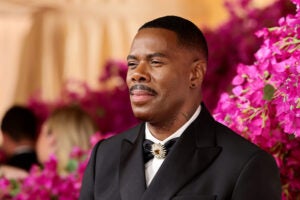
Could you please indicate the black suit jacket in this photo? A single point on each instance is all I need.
(23, 160)
(208, 162)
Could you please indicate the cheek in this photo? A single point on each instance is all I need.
(43, 149)
(128, 78)
(175, 83)
(1, 139)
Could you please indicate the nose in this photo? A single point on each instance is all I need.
(140, 73)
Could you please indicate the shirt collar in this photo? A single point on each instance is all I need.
(178, 133)
(23, 149)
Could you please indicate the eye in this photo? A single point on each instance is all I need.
(156, 63)
(131, 64)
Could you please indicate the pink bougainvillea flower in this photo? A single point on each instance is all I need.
(264, 105)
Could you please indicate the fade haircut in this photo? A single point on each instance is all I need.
(19, 123)
(188, 34)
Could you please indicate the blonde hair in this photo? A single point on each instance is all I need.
(71, 127)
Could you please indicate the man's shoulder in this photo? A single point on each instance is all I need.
(234, 143)
(238, 152)
(128, 134)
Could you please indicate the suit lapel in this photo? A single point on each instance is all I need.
(132, 173)
(191, 155)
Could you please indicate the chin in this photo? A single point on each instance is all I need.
(141, 114)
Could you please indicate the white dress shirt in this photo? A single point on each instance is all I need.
(152, 166)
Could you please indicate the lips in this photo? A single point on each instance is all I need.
(140, 94)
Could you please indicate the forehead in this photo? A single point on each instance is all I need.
(154, 40)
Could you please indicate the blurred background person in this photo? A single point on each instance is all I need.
(18, 132)
(67, 127)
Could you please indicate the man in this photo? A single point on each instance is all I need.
(166, 67)
(19, 127)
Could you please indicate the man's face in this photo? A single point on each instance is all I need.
(158, 77)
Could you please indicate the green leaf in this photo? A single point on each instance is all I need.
(72, 165)
(291, 136)
(269, 91)
(298, 103)
(15, 187)
(100, 112)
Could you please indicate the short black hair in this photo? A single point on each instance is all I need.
(187, 32)
(19, 122)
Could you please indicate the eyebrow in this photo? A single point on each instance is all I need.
(148, 56)
(131, 57)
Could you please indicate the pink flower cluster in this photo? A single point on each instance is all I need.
(46, 183)
(264, 105)
(234, 42)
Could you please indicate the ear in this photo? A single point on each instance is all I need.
(197, 73)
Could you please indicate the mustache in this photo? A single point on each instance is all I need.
(142, 87)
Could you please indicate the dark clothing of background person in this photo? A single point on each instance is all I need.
(23, 160)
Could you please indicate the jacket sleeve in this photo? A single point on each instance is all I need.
(259, 179)
(87, 185)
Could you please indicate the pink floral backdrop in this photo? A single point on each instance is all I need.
(252, 86)
(264, 105)
(234, 42)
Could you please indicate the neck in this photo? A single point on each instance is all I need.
(13, 147)
(163, 130)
